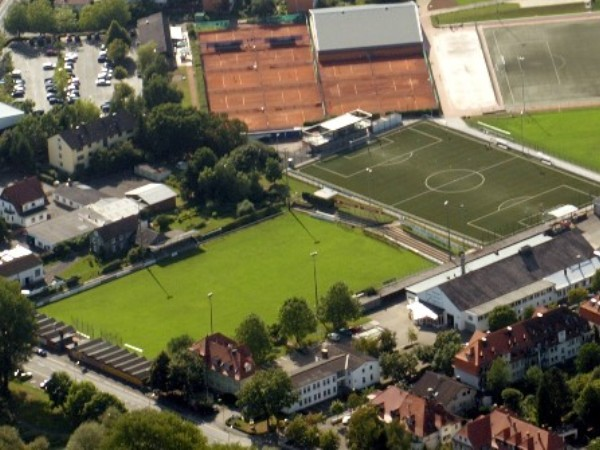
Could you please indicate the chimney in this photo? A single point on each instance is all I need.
(463, 260)
(324, 353)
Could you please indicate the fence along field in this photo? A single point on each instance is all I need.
(454, 180)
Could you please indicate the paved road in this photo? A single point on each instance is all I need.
(43, 368)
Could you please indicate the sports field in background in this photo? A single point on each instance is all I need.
(251, 271)
(546, 64)
(571, 135)
(488, 192)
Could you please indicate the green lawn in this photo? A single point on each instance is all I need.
(253, 270)
(86, 268)
(180, 81)
(571, 135)
(503, 11)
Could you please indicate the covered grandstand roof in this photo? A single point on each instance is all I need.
(363, 27)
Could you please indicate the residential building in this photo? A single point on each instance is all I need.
(114, 238)
(70, 150)
(23, 203)
(229, 364)
(427, 421)
(500, 429)
(155, 28)
(590, 311)
(536, 272)
(457, 398)
(154, 197)
(75, 196)
(549, 338)
(20, 264)
(339, 368)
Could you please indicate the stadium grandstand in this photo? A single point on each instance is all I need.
(347, 131)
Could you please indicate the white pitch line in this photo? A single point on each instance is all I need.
(552, 60)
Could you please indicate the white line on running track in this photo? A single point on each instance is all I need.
(552, 60)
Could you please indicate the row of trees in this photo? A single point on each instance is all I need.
(40, 16)
(297, 321)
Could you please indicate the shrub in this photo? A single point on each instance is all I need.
(244, 208)
(112, 266)
(120, 73)
(337, 407)
(163, 221)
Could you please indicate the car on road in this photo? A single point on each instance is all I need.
(49, 65)
(40, 352)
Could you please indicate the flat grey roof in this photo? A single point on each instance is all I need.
(369, 26)
(61, 228)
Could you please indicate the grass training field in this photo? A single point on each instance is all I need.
(545, 64)
(250, 271)
(571, 135)
(488, 192)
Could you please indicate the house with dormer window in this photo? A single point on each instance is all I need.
(23, 203)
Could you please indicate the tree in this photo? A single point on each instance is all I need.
(577, 295)
(99, 404)
(338, 306)
(17, 328)
(273, 170)
(387, 341)
(117, 51)
(528, 312)
(336, 407)
(58, 388)
(253, 332)
(146, 54)
(553, 398)
(296, 319)
(99, 15)
(412, 335)
(588, 357)
(266, 393)
(588, 403)
(595, 282)
(10, 439)
(501, 316)
(187, 376)
(87, 436)
(158, 90)
(365, 430)
(41, 17)
(65, 19)
(397, 437)
(4, 231)
(15, 20)
(117, 31)
(329, 440)
(301, 434)
(498, 376)
(447, 344)
(159, 374)
(263, 8)
(147, 428)
(367, 345)
(179, 344)
(202, 157)
(401, 367)
(533, 378)
(79, 395)
(512, 398)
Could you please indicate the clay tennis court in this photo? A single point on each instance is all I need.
(261, 75)
(378, 85)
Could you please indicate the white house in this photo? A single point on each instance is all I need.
(323, 379)
(20, 264)
(70, 150)
(23, 203)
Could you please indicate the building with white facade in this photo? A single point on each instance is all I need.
(70, 150)
(549, 338)
(23, 203)
(337, 369)
(535, 272)
(20, 264)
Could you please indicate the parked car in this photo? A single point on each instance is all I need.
(51, 52)
(40, 352)
(22, 375)
(105, 108)
(49, 66)
(18, 94)
(102, 82)
(44, 383)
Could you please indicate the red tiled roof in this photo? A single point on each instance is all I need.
(590, 311)
(224, 355)
(420, 416)
(518, 339)
(500, 427)
(22, 192)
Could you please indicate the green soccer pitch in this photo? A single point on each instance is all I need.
(454, 180)
(251, 271)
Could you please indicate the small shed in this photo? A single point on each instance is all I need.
(154, 197)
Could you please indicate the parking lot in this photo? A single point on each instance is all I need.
(30, 62)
